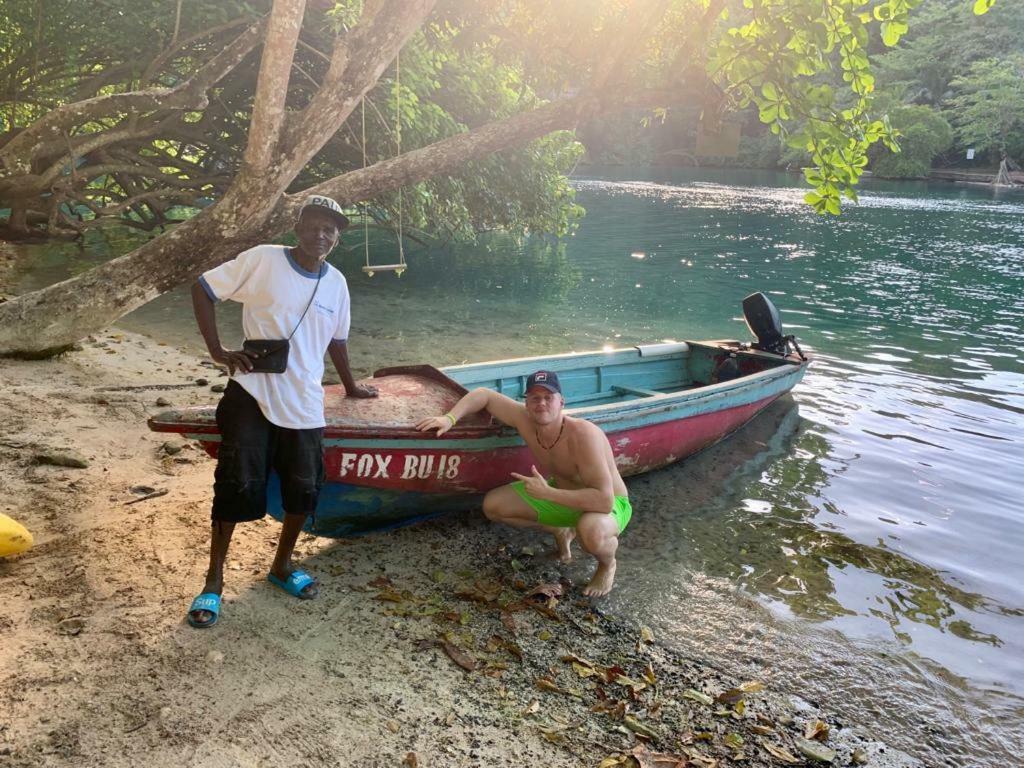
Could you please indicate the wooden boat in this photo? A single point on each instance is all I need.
(657, 403)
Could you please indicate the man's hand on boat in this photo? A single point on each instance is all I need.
(440, 423)
(360, 390)
(233, 359)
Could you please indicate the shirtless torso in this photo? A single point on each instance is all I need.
(580, 438)
(587, 498)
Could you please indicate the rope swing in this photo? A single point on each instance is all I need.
(400, 267)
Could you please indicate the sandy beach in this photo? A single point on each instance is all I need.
(423, 649)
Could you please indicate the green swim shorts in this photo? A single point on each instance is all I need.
(560, 516)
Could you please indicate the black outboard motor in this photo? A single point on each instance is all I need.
(763, 321)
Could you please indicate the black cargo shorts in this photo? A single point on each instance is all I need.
(250, 448)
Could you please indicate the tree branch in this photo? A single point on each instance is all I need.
(175, 46)
(268, 109)
(356, 64)
(17, 155)
(448, 154)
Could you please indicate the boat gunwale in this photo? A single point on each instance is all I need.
(599, 414)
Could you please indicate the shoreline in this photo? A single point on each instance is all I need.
(101, 668)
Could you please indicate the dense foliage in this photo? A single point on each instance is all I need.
(924, 135)
(952, 67)
(145, 117)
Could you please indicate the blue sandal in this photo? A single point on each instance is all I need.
(208, 601)
(294, 584)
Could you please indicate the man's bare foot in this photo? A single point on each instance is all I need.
(563, 544)
(601, 584)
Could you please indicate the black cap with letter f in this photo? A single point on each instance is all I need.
(546, 379)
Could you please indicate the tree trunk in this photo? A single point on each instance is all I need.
(48, 321)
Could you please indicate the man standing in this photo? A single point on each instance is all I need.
(296, 307)
(585, 497)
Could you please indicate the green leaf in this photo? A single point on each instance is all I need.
(892, 31)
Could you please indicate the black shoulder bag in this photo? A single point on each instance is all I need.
(271, 355)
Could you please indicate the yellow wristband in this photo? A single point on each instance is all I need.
(453, 420)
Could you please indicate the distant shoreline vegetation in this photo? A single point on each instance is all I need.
(953, 84)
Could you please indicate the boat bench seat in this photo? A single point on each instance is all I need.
(634, 391)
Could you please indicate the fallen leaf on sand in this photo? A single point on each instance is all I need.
(646, 635)
(411, 761)
(751, 686)
(639, 728)
(781, 754)
(393, 726)
(584, 671)
(389, 596)
(550, 589)
(510, 623)
(532, 708)
(459, 656)
(730, 696)
(573, 658)
(816, 730)
(698, 758)
(547, 684)
(381, 582)
(612, 672)
(815, 751)
(698, 696)
(648, 759)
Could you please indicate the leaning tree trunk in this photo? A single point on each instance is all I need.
(45, 322)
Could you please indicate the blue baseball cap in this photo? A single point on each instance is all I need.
(546, 379)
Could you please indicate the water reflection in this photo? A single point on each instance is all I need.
(750, 515)
(535, 270)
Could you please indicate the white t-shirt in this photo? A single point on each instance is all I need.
(274, 290)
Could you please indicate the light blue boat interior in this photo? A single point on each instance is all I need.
(601, 378)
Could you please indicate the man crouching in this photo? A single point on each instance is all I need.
(585, 496)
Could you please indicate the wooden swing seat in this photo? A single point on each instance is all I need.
(384, 268)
